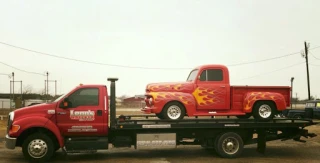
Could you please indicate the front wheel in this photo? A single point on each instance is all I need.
(38, 147)
(264, 110)
(173, 111)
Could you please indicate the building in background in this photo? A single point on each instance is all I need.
(136, 101)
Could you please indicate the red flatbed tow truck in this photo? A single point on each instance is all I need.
(79, 122)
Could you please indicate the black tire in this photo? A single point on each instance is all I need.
(267, 106)
(159, 116)
(247, 116)
(229, 145)
(39, 139)
(174, 107)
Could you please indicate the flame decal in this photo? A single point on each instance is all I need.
(254, 96)
(165, 96)
(208, 96)
(169, 87)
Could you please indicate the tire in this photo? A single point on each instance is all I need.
(264, 110)
(159, 116)
(229, 145)
(38, 140)
(247, 116)
(173, 111)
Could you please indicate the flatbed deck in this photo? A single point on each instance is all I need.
(127, 122)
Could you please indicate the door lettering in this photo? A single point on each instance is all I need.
(82, 115)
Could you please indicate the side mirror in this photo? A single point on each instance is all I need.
(65, 103)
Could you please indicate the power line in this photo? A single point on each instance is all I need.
(313, 64)
(79, 60)
(272, 71)
(138, 67)
(22, 70)
(263, 60)
(314, 56)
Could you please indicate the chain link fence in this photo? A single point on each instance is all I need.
(7, 104)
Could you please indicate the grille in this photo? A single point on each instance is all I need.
(9, 124)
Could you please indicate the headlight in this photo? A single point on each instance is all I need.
(11, 115)
(150, 100)
(10, 121)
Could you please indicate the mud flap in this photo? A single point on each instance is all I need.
(262, 141)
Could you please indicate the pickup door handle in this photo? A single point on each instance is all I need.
(99, 112)
(223, 86)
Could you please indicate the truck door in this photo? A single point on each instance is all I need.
(85, 114)
(212, 90)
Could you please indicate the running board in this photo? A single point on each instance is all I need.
(85, 144)
(218, 114)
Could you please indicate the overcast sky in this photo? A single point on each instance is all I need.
(158, 34)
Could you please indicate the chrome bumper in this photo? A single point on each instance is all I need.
(10, 142)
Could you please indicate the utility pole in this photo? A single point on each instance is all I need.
(12, 86)
(307, 64)
(46, 86)
(305, 55)
(297, 99)
(55, 87)
(47, 82)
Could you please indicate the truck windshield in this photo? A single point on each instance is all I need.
(62, 96)
(193, 75)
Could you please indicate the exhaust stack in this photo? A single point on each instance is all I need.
(112, 101)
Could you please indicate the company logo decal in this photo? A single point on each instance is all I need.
(82, 115)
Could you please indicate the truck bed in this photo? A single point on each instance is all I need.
(238, 93)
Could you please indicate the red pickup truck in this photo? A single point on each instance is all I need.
(207, 92)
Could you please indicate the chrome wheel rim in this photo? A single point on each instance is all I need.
(37, 148)
(230, 145)
(265, 111)
(174, 112)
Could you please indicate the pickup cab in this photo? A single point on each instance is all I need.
(314, 105)
(207, 92)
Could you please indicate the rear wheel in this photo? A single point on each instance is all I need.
(229, 145)
(264, 110)
(173, 111)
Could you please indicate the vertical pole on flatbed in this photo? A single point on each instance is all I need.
(292, 78)
(262, 142)
(112, 101)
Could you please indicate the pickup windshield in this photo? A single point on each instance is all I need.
(193, 75)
